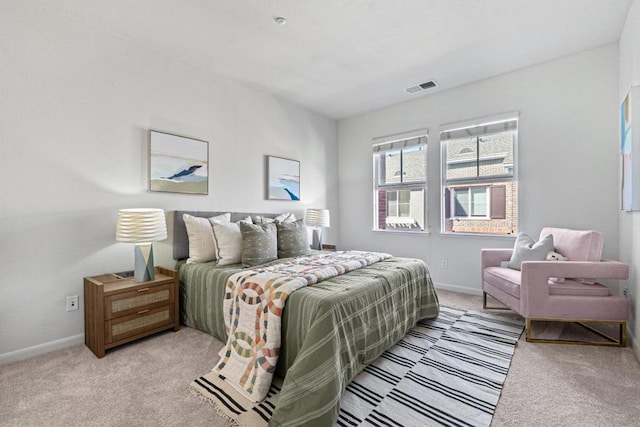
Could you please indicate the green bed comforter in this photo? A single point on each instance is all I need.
(330, 330)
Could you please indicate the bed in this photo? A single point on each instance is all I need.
(330, 331)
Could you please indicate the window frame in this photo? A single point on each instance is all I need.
(497, 185)
(393, 143)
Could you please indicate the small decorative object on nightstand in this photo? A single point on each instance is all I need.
(119, 310)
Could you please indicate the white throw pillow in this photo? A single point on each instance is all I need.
(200, 233)
(202, 246)
(228, 241)
(285, 217)
(527, 249)
(225, 217)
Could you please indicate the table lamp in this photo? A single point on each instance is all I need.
(142, 226)
(317, 218)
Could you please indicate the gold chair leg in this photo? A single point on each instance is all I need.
(621, 341)
(485, 306)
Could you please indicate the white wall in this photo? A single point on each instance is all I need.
(568, 157)
(76, 105)
(630, 221)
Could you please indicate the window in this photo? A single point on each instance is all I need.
(400, 179)
(480, 191)
(469, 202)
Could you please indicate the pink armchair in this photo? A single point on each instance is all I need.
(573, 297)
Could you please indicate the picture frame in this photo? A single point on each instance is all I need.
(178, 164)
(283, 179)
(630, 150)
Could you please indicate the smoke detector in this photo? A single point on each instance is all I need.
(422, 86)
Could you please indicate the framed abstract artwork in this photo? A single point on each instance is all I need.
(630, 150)
(178, 164)
(283, 179)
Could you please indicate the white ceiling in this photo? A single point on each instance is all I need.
(344, 57)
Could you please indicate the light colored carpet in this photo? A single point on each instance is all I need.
(146, 383)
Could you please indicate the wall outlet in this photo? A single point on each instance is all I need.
(444, 264)
(72, 303)
(625, 292)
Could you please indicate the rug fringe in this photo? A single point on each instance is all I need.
(204, 399)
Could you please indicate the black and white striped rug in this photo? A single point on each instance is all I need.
(446, 371)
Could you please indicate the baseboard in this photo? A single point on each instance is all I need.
(456, 288)
(36, 350)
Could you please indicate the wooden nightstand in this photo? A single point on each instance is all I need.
(119, 310)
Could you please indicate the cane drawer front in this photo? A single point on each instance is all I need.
(133, 302)
(137, 324)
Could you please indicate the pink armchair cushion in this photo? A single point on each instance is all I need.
(576, 245)
(506, 279)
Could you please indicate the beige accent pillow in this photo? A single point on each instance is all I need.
(200, 233)
(228, 241)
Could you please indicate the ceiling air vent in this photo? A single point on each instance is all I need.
(422, 86)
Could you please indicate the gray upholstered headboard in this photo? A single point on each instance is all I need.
(180, 238)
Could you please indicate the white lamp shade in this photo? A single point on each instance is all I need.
(317, 217)
(141, 225)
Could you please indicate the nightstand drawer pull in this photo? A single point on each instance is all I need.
(143, 290)
(143, 311)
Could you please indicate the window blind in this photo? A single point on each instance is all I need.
(480, 130)
(400, 144)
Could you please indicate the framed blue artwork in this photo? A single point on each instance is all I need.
(178, 164)
(630, 150)
(283, 179)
